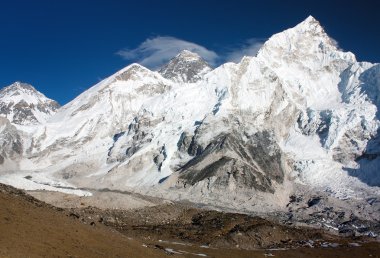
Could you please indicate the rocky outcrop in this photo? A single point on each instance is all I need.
(11, 146)
(236, 160)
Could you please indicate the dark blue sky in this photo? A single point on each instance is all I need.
(64, 47)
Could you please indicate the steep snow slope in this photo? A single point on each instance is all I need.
(24, 105)
(84, 128)
(337, 115)
(243, 135)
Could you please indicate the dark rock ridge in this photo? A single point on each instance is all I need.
(11, 146)
(233, 159)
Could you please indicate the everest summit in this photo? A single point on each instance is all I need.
(186, 67)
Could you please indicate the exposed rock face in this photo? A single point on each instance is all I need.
(186, 67)
(235, 161)
(24, 105)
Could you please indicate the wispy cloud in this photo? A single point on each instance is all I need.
(155, 52)
(336, 43)
(249, 48)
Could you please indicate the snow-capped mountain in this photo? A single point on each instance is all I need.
(301, 114)
(186, 67)
(22, 104)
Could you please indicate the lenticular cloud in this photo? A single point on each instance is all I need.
(155, 52)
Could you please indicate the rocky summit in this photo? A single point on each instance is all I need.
(293, 131)
(186, 67)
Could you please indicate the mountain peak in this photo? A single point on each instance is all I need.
(307, 42)
(19, 86)
(186, 67)
(22, 104)
(310, 24)
(311, 20)
(135, 72)
(188, 55)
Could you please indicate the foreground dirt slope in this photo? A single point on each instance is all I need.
(30, 228)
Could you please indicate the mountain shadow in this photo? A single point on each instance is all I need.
(369, 162)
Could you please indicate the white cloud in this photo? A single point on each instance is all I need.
(155, 52)
(249, 48)
(336, 43)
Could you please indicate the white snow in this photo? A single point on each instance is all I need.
(19, 181)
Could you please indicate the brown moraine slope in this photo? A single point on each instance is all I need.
(31, 228)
